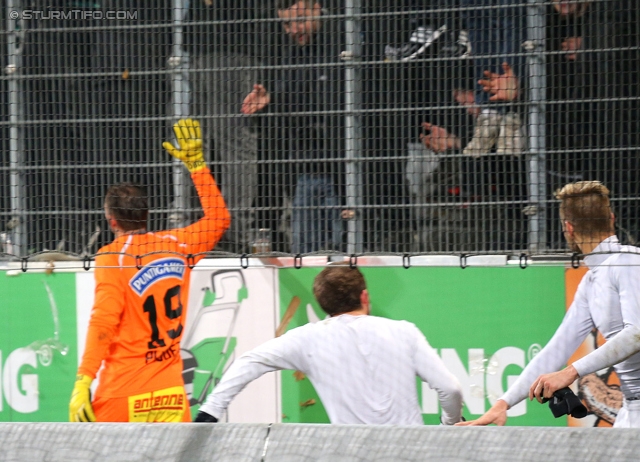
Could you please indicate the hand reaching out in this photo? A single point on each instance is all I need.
(496, 415)
(502, 87)
(256, 100)
(438, 139)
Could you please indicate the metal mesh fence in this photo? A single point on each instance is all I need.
(369, 132)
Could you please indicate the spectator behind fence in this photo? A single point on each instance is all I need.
(315, 137)
(497, 29)
(402, 87)
(223, 59)
(436, 175)
(569, 31)
(431, 85)
(592, 118)
(439, 127)
(614, 113)
(383, 137)
(463, 225)
(565, 71)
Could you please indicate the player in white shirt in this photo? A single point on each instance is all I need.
(608, 299)
(363, 367)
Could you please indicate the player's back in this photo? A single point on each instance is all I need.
(150, 271)
(363, 369)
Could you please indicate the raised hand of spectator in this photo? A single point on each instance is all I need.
(502, 87)
(438, 139)
(256, 100)
(466, 98)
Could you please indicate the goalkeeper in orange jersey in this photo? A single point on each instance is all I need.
(142, 285)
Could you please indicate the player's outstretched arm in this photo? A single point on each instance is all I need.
(496, 415)
(203, 235)
(285, 352)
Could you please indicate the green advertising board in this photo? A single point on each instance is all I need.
(38, 356)
(486, 323)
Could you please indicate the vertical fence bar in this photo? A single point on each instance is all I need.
(179, 63)
(536, 61)
(353, 126)
(16, 153)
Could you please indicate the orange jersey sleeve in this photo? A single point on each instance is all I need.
(203, 235)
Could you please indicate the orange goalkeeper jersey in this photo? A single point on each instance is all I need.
(142, 285)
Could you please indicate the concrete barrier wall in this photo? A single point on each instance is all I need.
(64, 442)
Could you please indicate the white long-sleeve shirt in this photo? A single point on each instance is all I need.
(364, 369)
(608, 298)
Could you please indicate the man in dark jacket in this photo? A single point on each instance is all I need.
(305, 90)
(414, 127)
(221, 37)
(592, 121)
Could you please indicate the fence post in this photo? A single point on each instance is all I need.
(353, 127)
(537, 169)
(16, 152)
(179, 63)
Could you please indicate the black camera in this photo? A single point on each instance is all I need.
(564, 401)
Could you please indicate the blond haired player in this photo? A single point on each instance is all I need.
(142, 283)
(363, 367)
(608, 298)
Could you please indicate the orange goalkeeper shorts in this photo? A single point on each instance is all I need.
(168, 405)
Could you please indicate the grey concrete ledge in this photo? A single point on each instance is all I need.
(53, 442)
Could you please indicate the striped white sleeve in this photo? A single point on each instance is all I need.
(626, 281)
(285, 352)
(575, 327)
(431, 369)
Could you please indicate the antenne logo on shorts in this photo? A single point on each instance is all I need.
(159, 269)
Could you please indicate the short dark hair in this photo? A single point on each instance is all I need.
(338, 287)
(286, 4)
(129, 206)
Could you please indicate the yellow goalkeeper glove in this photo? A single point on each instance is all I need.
(80, 409)
(190, 140)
